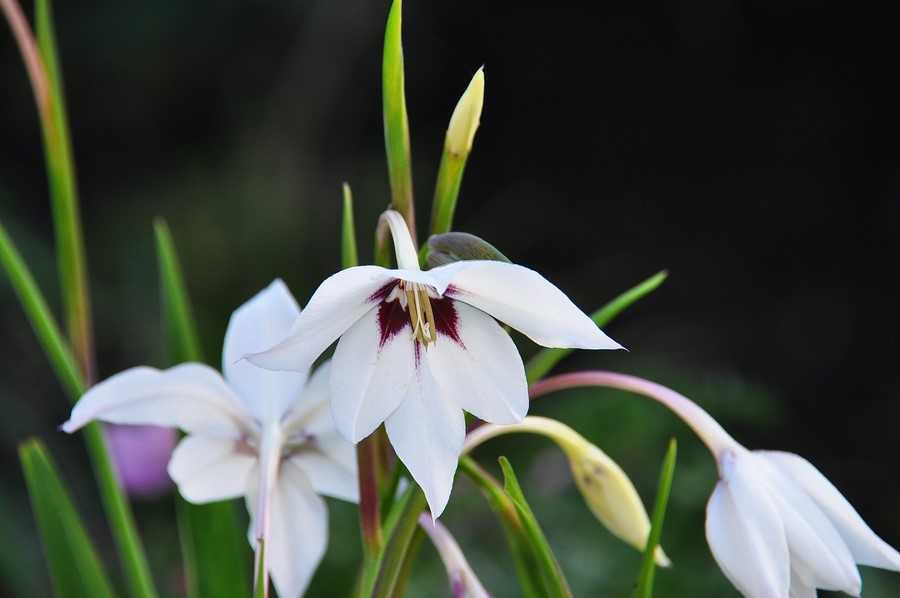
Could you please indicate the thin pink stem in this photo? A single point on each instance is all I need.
(708, 429)
(30, 55)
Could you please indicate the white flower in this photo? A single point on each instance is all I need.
(417, 348)
(778, 527)
(267, 436)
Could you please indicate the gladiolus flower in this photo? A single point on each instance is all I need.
(267, 436)
(417, 348)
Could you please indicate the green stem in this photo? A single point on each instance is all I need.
(369, 511)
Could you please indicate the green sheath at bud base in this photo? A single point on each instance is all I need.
(456, 247)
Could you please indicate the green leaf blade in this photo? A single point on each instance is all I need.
(75, 568)
(526, 564)
(645, 579)
(42, 321)
(215, 549)
(396, 122)
(71, 259)
(544, 361)
(181, 329)
(349, 253)
(551, 573)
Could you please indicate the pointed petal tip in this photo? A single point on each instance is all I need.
(661, 558)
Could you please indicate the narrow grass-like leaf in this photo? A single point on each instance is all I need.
(457, 145)
(530, 581)
(396, 123)
(73, 362)
(214, 546)
(178, 317)
(75, 568)
(41, 318)
(645, 579)
(64, 365)
(551, 573)
(349, 254)
(539, 365)
(64, 200)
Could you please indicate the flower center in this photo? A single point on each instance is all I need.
(421, 316)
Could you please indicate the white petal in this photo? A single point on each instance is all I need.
(368, 379)
(484, 375)
(310, 410)
(745, 532)
(255, 326)
(525, 300)
(427, 432)
(339, 301)
(190, 396)
(404, 248)
(866, 547)
(210, 469)
(299, 531)
(327, 458)
(819, 555)
(329, 476)
(799, 589)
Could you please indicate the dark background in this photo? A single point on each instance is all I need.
(750, 148)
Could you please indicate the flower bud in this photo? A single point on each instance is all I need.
(454, 247)
(466, 117)
(463, 581)
(610, 495)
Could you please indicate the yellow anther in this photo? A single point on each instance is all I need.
(421, 316)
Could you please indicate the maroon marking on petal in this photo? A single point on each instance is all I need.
(446, 320)
(392, 319)
(454, 291)
(382, 293)
(417, 352)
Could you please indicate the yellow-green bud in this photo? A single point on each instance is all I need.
(466, 117)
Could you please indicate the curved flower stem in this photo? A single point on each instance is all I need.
(706, 428)
(30, 54)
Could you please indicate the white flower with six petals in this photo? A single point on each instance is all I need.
(418, 347)
(267, 436)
